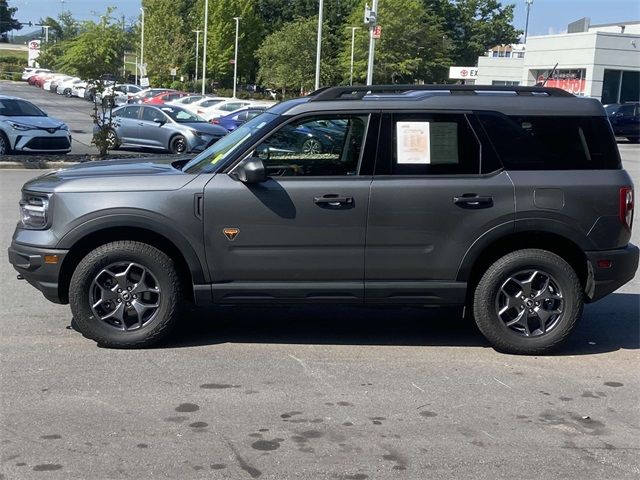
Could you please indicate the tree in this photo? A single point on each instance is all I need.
(288, 57)
(473, 26)
(64, 27)
(7, 22)
(411, 46)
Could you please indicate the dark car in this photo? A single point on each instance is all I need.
(508, 202)
(239, 117)
(165, 127)
(625, 120)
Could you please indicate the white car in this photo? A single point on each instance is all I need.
(31, 71)
(77, 89)
(66, 88)
(55, 79)
(119, 94)
(222, 108)
(184, 101)
(207, 101)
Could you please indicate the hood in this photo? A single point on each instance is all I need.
(42, 122)
(142, 174)
(206, 127)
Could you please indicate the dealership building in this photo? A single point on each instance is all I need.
(599, 61)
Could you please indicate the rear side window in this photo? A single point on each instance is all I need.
(552, 143)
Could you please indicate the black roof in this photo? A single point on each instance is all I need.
(510, 100)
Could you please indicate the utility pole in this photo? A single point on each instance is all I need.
(204, 41)
(319, 45)
(197, 32)
(46, 33)
(371, 20)
(235, 59)
(142, 39)
(526, 25)
(353, 37)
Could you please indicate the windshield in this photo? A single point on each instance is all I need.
(611, 109)
(181, 115)
(223, 148)
(19, 108)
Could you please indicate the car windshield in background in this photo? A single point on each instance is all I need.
(181, 115)
(219, 151)
(19, 108)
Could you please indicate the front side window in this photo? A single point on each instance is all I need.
(128, 112)
(433, 144)
(315, 146)
(150, 114)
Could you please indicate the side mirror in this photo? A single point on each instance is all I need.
(159, 121)
(250, 170)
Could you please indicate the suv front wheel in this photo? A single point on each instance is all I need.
(125, 294)
(528, 302)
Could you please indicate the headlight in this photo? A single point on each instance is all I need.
(197, 133)
(34, 211)
(19, 126)
(64, 126)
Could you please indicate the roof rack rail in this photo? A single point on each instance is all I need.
(359, 91)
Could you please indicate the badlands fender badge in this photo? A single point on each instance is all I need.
(231, 233)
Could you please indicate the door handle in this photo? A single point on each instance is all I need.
(472, 200)
(333, 200)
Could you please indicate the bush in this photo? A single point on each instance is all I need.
(16, 77)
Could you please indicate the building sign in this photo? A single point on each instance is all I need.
(572, 81)
(34, 52)
(377, 31)
(463, 73)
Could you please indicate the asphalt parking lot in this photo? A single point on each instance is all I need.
(314, 393)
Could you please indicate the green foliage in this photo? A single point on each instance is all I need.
(7, 20)
(474, 26)
(65, 27)
(288, 57)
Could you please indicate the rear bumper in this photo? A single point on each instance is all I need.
(30, 263)
(603, 281)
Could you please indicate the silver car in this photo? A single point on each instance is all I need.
(165, 127)
(26, 128)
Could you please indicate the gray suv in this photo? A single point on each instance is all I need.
(508, 201)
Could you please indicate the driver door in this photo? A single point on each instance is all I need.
(300, 235)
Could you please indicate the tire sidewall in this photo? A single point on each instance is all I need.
(495, 329)
(79, 295)
(174, 143)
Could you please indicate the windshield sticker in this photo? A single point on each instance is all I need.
(413, 143)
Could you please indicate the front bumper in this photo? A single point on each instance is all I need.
(30, 263)
(605, 280)
(58, 142)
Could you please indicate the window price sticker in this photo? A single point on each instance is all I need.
(413, 143)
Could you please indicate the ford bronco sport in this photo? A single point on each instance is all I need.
(511, 201)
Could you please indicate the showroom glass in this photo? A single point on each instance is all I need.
(434, 144)
(315, 146)
(552, 143)
(19, 108)
(215, 155)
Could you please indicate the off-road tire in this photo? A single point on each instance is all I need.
(155, 261)
(493, 327)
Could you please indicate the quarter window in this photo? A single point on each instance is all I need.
(317, 146)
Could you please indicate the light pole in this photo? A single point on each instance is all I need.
(526, 25)
(372, 41)
(319, 46)
(204, 46)
(197, 32)
(142, 41)
(353, 37)
(46, 33)
(235, 58)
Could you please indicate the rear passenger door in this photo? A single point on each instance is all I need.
(435, 192)
(126, 123)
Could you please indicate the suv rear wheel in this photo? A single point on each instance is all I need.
(528, 302)
(125, 294)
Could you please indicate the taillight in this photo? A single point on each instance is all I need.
(626, 207)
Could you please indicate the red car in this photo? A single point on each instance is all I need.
(38, 80)
(165, 97)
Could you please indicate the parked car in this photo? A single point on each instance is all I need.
(239, 117)
(66, 87)
(509, 201)
(165, 127)
(29, 72)
(142, 95)
(78, 89)
(164, 97)
(41, 78)
(119, 94)
(26, 128)
(184, 101)
(221, 108)
(51, 83)
(625, 120)
(203, 103)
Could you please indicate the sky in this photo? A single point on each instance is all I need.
(546, 17)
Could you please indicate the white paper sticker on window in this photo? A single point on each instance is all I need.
(413, 143)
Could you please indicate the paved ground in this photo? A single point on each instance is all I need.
(314, 393)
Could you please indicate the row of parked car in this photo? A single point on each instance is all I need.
(157, 118)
